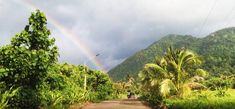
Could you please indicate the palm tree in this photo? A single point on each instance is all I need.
(171, 71)
(130, 79)
(178, 61)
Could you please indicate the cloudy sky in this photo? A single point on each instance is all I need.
(116, 29)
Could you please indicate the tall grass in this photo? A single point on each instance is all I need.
(204, 100)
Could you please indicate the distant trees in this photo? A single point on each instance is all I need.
(64, 86)
(216, 50)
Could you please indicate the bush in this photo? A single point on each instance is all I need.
(25, 98)
(59, 90)
(5, 96)
(100, 86)
(203, 100)
(64, 86)
(153, 100)
(103, 92)
(216, 82)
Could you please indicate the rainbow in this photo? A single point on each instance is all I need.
(67, 33)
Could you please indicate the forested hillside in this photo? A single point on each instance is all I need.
(217, 50)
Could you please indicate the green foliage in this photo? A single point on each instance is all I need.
(218, 82)
(64, 86)
(27, 59)
(166, 86)
(168, 76)
(216, 50)
(25, 98)
(203, 100)
(221, 92)
(5, 96)
(59, 90)
(170, 72)
(151, 96)
(136, 62)
(31, 52)
(99, 86)
(33, 78)
(120, 88)
(202, 73)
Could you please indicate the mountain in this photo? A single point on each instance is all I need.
(217, 51)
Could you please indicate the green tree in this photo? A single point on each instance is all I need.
(99, 85)
(169, 72)
(130, 79)
(29, 56)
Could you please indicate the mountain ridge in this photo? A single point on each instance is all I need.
(222, 40)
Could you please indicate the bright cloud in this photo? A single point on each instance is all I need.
(118, 28)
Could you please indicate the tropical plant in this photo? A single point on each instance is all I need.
(119, 89)
(5, 96)
(99, 86)
(30, 54)
(206, 99)
(27, 59)
(33, 78)
(215, 83)
(59, 90)
(170, 73)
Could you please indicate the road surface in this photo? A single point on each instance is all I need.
(118, 104)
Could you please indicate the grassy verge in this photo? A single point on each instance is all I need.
(204, 100)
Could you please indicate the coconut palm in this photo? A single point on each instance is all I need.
(130, 79)
(169, 72)
(178, 62)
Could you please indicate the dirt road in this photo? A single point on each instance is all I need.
(118, 104)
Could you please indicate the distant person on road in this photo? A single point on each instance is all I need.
(132, 95)
(128, 94)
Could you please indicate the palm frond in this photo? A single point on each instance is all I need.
(201, 73)
(196, 85)
(156, 70)
(166, 87)
(184, 91)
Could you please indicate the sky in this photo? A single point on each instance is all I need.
(115, 29)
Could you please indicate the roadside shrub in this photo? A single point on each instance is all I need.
(58, 90)
(216, 82)
(6, 95)
(152, 99)
(100, 86)
(104, 92)
(204, 100)
(25, 98)
(233, 84)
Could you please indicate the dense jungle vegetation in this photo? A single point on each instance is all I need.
(176, 81)
(185, 72)
(31, 77)
(216, 50)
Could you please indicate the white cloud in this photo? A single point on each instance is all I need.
(118, 28)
